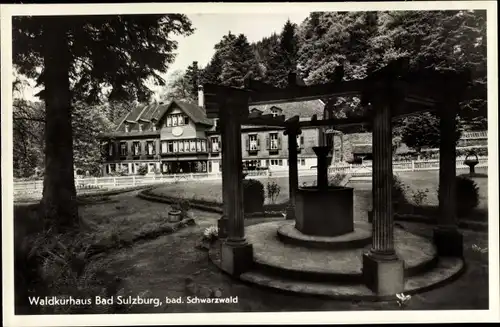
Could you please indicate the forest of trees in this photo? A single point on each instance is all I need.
(80, 58)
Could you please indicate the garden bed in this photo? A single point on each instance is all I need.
(270, 210)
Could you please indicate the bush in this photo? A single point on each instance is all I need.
(467, 196)
(399, 190)
(253, 196)
(183, 206)
(273, 190)
(142, 170)
(336, 179)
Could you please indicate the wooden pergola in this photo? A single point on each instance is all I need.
(390, 92)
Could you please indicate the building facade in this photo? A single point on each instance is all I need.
(179, 138)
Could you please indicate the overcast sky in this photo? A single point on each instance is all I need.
(209, 29)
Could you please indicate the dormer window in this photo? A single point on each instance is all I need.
(127, 128)
(275, 114)
(153, 127)
(140, 127)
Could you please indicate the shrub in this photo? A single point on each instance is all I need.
(253, 195)
(211, 234)
(183, 206)
(336, 179)
(467, 196)
(399, 190)
(273, 190)
(419, 196)
(142, 170)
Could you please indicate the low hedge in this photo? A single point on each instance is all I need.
(270, 210)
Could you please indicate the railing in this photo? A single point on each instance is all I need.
(475, 135)
(89, 184)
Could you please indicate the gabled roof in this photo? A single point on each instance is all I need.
(155, 111)
(304, 109)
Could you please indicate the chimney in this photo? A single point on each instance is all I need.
(201, 97)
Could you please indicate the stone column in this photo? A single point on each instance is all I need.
(236, 252)
(447, 237)
(322, 154)
(293, 173)
(382, 270)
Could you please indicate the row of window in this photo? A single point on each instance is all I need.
(176, 120)
(177, 146)
(270, 162)
(171, 120)
(273, 142)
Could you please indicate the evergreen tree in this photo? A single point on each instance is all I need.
(79, 55)
(283, 57)
(192, 80)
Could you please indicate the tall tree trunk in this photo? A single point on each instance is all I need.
(59, 193)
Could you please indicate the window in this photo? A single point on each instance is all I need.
(203, 145)
(136, 148)
(170, 146)
(151, 150)
(153, 127)
(174, 120)
(215, 144)
(127, 128)
(274, 141)
(186, 120)
(123, 148)
(164, 147)
(110, 148)
(254, 144)
(169, 121)
(186, 146)
(198, 145)
(302, 162)
(181, 146)
(192, 146)
(140, 127)
(281, 162)
(176, 146)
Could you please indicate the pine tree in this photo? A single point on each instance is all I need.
(79, 56)
(283, 57)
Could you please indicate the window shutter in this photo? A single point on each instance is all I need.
(209, 144)
(301, 141)
(279, 142)
(268, 143)
(258, 142)
(247, 141)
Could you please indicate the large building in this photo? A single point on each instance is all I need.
(177, 137)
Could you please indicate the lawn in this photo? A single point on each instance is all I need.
(212, 190)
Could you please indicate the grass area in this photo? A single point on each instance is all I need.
(420, 180)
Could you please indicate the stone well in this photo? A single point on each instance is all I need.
(324, 212)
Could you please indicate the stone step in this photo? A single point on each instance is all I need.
(446, 271)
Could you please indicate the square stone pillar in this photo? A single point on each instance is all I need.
(447, 237)
(383, 271)
(293, 174)
(236, 252)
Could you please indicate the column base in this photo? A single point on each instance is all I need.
(290, 212)
(449, 242)
(384, 276)
(236, 258)
(222, 227)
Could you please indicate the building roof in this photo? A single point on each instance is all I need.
(305, 110)
(155, 111)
